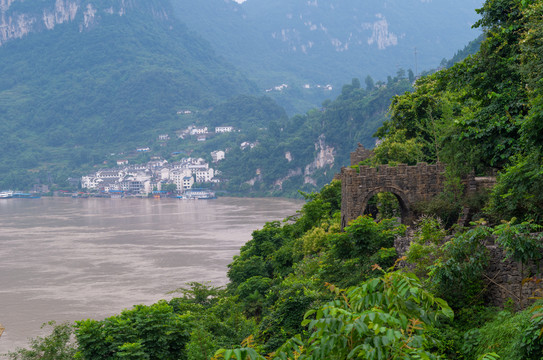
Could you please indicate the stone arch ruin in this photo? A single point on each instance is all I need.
(399, 194)
(410, 185)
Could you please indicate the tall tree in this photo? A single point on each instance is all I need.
(369, 83)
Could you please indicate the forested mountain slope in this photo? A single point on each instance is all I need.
(82, 80)
(305, 151)
(79, 78)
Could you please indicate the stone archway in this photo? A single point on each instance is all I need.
(400, 196)
(410, 184)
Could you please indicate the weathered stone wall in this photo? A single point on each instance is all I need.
(410, 184)
(360, 154)
(503, 277)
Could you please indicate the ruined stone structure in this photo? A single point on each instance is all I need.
(504, 279)
(410, 184)
(360, 154)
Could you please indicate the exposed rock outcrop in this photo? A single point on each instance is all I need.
(325, 158)
(19, 21)
(291, 173)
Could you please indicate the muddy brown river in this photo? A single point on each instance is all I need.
(69, 259)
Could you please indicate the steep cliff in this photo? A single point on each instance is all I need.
(19, 18)
(323, 160)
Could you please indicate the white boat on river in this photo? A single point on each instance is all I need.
(6, 194)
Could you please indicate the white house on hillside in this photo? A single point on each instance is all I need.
(188, 181)
(247, 144)
(204, 175)
(178, 178)
(223, 129)
(198, 131)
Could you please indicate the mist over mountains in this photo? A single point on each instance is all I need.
(81, 79)
(318, 42)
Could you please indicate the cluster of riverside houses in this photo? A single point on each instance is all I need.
(146, 178)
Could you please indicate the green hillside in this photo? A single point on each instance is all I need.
(309, 288)
(69, 96)
(72, 96)
(282, 155)
(335, 129)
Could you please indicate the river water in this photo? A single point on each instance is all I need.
(69, 259)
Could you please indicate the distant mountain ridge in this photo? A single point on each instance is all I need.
(304, 43)
(83, 81)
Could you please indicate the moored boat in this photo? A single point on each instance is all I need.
(6, 194)
(22, 195)
(198, 194)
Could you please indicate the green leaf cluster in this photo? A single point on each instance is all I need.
(483, 114)
(58, 345)
(144, 332)
(383, 318)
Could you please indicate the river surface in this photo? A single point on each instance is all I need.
(69, 259)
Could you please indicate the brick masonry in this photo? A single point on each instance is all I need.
(410, 185)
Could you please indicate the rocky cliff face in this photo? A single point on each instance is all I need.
(316, 46)
(18, 18)
(306, 30)
(324, 158)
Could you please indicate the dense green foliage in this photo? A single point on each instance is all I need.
(383, 318)
(481, 115)
(77, 96)
(468, 50)
(306, 289)
(152, 332)
(246, 112)
(56, 346)
(338, 126)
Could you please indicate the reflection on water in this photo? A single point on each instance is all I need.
(67, 259)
